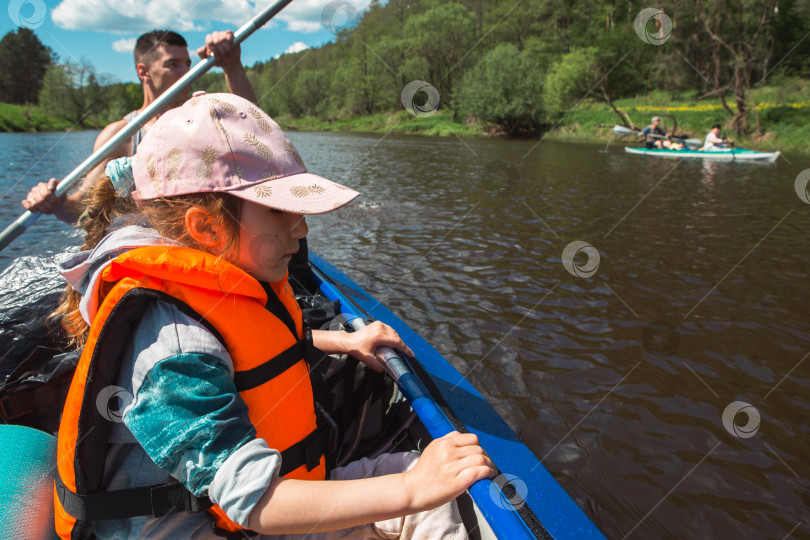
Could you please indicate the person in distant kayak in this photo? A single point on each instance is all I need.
(714, 141)
(661, 139)
(161, 59)
(190, 322)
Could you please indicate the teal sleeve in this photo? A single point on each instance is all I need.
(189, 418)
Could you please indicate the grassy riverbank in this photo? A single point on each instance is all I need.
(785, 120)
(441, 123)
(29, 118)
(784, 113)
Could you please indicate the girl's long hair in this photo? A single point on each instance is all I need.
(166, 216)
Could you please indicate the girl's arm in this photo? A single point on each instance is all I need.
(447, 467)
(361, 344)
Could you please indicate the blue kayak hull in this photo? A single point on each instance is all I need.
(537, 507)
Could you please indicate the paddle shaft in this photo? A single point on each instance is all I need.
(621, 130)
(19, 226)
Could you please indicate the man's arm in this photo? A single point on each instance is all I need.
(229, 58)
(68, 208)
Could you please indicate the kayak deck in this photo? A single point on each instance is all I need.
(735, 154)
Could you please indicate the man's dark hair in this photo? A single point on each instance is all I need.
(716, 126)
(146, 48)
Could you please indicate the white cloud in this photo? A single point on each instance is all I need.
(125, 45)
(305, 27)
(298, 46)
(131, 16)
(306, 16)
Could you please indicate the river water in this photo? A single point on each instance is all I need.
(683, 302)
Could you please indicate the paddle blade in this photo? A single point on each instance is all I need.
(621, 130)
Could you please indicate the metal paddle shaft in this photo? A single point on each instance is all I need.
(621, 130)
(27, 218)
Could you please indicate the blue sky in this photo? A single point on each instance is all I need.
(104, 31)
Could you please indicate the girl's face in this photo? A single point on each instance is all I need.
(267, 240)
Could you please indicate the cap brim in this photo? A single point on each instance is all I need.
(302, 193)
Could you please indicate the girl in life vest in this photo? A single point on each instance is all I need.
(191, 414)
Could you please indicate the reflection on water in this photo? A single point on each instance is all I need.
(618, 381)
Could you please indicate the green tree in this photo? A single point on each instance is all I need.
(504, 88)
(311, 88)
(23, 63)
(124, 98)
(615, 67)
(569, 80)
(444, 36)
(744, 46)
(72, 91)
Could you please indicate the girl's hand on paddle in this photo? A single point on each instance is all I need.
(42, 199)
(363, 344)
(448, 466)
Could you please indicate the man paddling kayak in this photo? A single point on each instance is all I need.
(714, 141)
(161, 59)
(655, 136)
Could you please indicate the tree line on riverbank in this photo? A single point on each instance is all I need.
(518, 68)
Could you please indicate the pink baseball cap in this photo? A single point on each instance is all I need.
(224, 143)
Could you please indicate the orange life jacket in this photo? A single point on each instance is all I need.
(270, 374)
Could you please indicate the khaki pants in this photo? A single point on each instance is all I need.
(439, 523)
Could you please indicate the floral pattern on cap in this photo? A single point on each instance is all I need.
(207, 159)
(264, 125)
(303, 191)
(173, 175)
(260, 147)
(263, 190)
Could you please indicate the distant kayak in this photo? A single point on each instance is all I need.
(732, 154)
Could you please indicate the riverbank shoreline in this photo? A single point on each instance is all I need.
(786, 126)
(785, 122)
(33, 119)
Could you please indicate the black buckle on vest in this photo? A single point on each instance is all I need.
(169, 498)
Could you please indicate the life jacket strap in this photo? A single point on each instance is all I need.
(270, 369)
(155, 500)
(307, 451)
